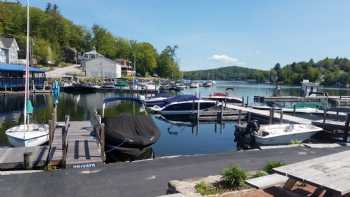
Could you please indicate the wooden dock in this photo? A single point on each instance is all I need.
(270, 115)
(73, 144)
(76, 147)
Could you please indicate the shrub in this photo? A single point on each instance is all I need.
(205, 189)
(234, 177)
(272, 164)
(296, 142)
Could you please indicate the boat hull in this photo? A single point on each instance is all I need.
(28, 136)
(284, 139)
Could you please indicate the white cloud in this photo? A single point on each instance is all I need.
(225, 59)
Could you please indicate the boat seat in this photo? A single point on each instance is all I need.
(267, 181)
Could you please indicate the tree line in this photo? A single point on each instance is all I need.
(56, 40)
(329, 72)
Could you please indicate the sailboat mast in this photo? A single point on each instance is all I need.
(26, 88)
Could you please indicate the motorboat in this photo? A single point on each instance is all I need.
(162, 100)
(208, 84)
(129, 130)
(184, 107)
(222, 97)
(194, 85)
(284, 133)
(28, 135)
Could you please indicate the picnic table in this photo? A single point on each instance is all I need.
(330, 173)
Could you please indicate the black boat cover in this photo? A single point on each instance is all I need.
(128, 130)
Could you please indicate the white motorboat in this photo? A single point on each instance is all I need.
(284, 133)
(184, 107)
(223, 97)
(28, 135)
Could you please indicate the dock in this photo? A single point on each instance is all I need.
(269, 115)
(73, 144)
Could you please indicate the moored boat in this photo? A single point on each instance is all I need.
(28, 135)
(277, 134)
(184, 107)
(223, 97)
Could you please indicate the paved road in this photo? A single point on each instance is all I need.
(144, 178)
(63, 71)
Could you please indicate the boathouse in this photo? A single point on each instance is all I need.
(12, 77)
(102, 67)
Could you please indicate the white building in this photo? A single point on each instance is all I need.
(102, 67)
(8, 50)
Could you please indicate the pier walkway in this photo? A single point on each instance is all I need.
(266, 114)
(78, 149)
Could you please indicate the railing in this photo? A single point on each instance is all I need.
(99, 129)
(65, 140)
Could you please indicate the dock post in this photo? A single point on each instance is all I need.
(249, 116)
(239, 117)
(324, 117)
(346, 132)
(294, 109)
(103, 141)
(27, 158)
(242, 101)
(281, 116)
(272, 114)
(247, 101)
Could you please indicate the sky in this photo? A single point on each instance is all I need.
(216, 33)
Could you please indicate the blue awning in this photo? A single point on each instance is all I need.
(18, 68)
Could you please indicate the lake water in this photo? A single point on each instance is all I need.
(175, 139)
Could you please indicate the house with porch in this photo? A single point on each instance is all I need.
(127, 69)
(8, 50)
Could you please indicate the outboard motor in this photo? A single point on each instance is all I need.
(245, 137)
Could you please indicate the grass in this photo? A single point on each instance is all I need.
(296, 142)
(272, 164)
(259, 173)
(206, 189)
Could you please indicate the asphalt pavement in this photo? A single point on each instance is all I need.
(144, 178)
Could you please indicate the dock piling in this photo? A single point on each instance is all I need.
(346, 132)
(272, 114)
(27, 158)
(239, 117)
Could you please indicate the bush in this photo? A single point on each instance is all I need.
(205, 189)
(234, 177)
(272, 164)
(259, 174)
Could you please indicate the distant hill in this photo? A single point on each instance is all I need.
(228, 73)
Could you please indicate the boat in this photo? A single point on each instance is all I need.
(129, 131)
(184, 107)
(122, 84)
(28, 134)
(277, 134)
(163, 100)
(218, 96)
(208, 84)
(194, 85)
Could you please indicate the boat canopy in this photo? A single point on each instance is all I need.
(122, 98)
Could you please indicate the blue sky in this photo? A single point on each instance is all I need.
(250, 33)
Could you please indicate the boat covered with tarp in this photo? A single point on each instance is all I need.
(131, 131)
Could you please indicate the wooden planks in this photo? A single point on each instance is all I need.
(331, 172)
(83, 149)
(12, 158)
(266, 114)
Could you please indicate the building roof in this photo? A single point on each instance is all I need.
(18, 68)
(6, 42)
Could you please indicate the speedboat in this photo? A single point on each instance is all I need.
(284, 133)
(194, 85)
(28, 135)
(208, 84)
(184, 107)
(218, 96)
